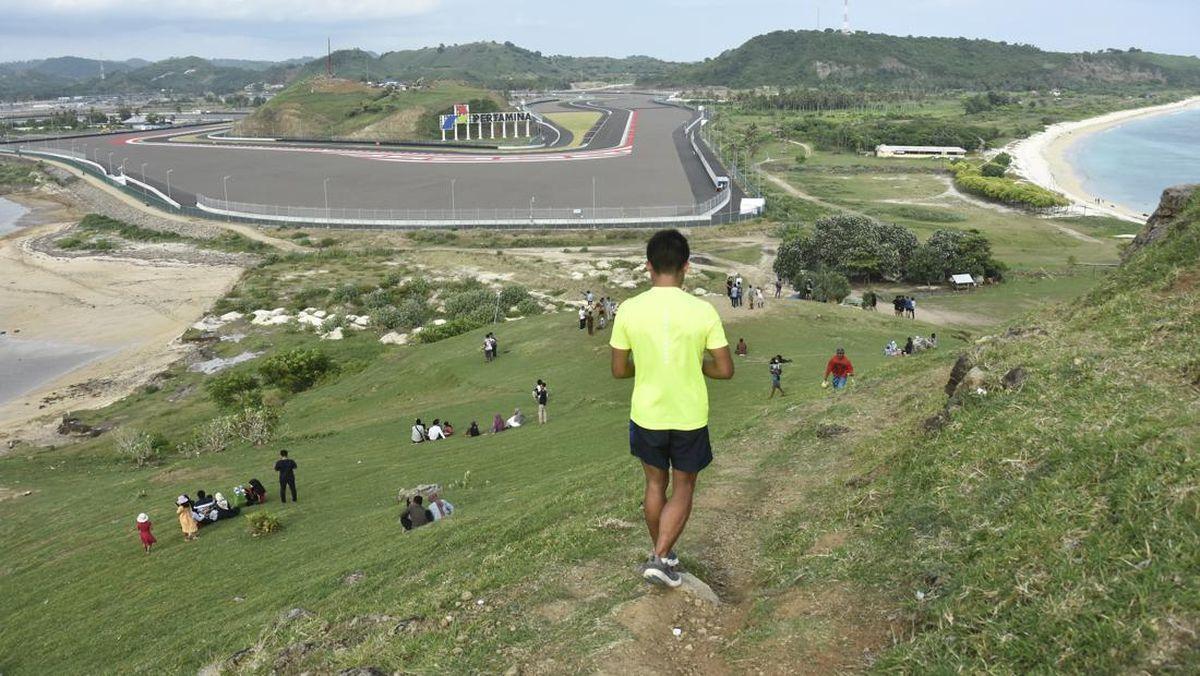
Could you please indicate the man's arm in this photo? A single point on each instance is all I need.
(720, 366)
(622, 366)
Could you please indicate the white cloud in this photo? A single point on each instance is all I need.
(234, 10)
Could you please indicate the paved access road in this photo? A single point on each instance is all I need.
(657, 169)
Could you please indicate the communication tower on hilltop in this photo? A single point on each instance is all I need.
(846, 17)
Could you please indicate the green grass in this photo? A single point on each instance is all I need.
(64, 560)
(578, 123)
(93, 226)
(17, 175)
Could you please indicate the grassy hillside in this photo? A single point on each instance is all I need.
(337, 108)
(873, 60)
(1050, 526)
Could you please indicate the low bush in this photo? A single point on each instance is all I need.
(512, 295)
(262, 523)
(296, 370)
(478, 306)
(255, 426)
(529, 307)
(234, 390)
(140, 447)
(432, 334)
(970, 178)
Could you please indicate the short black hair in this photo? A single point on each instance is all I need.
(283, 452)
(418, 499)
(668, 252)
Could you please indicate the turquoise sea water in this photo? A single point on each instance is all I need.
(1133, 163)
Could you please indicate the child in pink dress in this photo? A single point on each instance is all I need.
(143, 526)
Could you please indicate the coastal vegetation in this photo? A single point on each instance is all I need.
(97, 232)
(989, 180)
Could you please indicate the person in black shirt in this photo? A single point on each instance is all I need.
(287, 475)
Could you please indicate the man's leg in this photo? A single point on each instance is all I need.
(675, 514)
(655, 499)
(292, 485)
(283, 491)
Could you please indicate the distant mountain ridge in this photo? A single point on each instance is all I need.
(781, 58)
(875, 60)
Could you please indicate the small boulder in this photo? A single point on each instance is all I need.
(394, 338)
(1015, 378)
(961, 367)
(335, 334)
(699, 292)
(296, 614)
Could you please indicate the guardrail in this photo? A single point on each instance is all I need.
(514, 217)
(716, 209)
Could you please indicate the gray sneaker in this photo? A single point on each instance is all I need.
(658, 572)
(671, 559)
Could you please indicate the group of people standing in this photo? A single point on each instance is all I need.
(596, 313)
(740, 295)
(491, 347)
(905, 306)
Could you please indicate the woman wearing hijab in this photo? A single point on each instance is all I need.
(497, 424)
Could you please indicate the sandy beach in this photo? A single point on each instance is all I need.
(96, 326)
(1042, 158)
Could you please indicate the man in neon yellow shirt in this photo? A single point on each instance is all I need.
(669, 334)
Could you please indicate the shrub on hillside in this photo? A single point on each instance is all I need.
(992, 170)
(296, 370)
(262, 523)
(512, 295)
(963, 252)
(830, 286)
(256, 426)
(432, 334)
(234, 389)
(477, 306)
(138, 446)
(529, 307)
(379, 298)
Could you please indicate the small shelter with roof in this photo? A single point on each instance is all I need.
(960, 282)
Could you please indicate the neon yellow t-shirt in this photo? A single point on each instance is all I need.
(668, 331)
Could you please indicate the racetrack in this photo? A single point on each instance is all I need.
(638, 157)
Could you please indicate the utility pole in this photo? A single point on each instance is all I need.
(328, 57)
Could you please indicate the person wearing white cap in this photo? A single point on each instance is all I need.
(186, 521)
(143, 526)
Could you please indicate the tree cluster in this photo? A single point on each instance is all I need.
(864, 249)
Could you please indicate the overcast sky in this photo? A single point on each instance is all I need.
(669, 29)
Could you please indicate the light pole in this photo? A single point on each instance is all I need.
(169, 183)
(532, 199)
(110, 164)
(325, 186)
(123, 161)
(145, 193)
(453, 206)
(225, 190)
(593, 197)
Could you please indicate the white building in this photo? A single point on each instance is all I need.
(919, 151)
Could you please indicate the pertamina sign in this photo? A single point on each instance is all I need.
(462, 115)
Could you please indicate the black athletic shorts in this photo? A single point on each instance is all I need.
(684, 450)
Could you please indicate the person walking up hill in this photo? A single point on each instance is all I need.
(668, 341)
(287, 475)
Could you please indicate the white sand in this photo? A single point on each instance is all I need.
(1041, 158)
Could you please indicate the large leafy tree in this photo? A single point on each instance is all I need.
(855, 246)
(963, 251)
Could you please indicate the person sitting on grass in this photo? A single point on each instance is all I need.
(516, 419)
(741, 350)
(256, 494)
(418, 432)
(224, 509)
(497, 424)
(417, 514)
(473, 430)
(447, 429)
(908, 347)
(435, 430)
(439, 508)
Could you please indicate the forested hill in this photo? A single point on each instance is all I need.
(874, 60)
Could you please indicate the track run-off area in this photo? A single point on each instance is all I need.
(637, 156)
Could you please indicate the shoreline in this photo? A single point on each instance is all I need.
(1042, 158)
(130, 310)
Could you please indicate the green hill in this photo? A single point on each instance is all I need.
(1048, 524)
(320, 107)
(490, 64)
(874, 60)
(186, 75)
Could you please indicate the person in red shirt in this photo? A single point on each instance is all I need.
(840, 368)
(143, 526)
